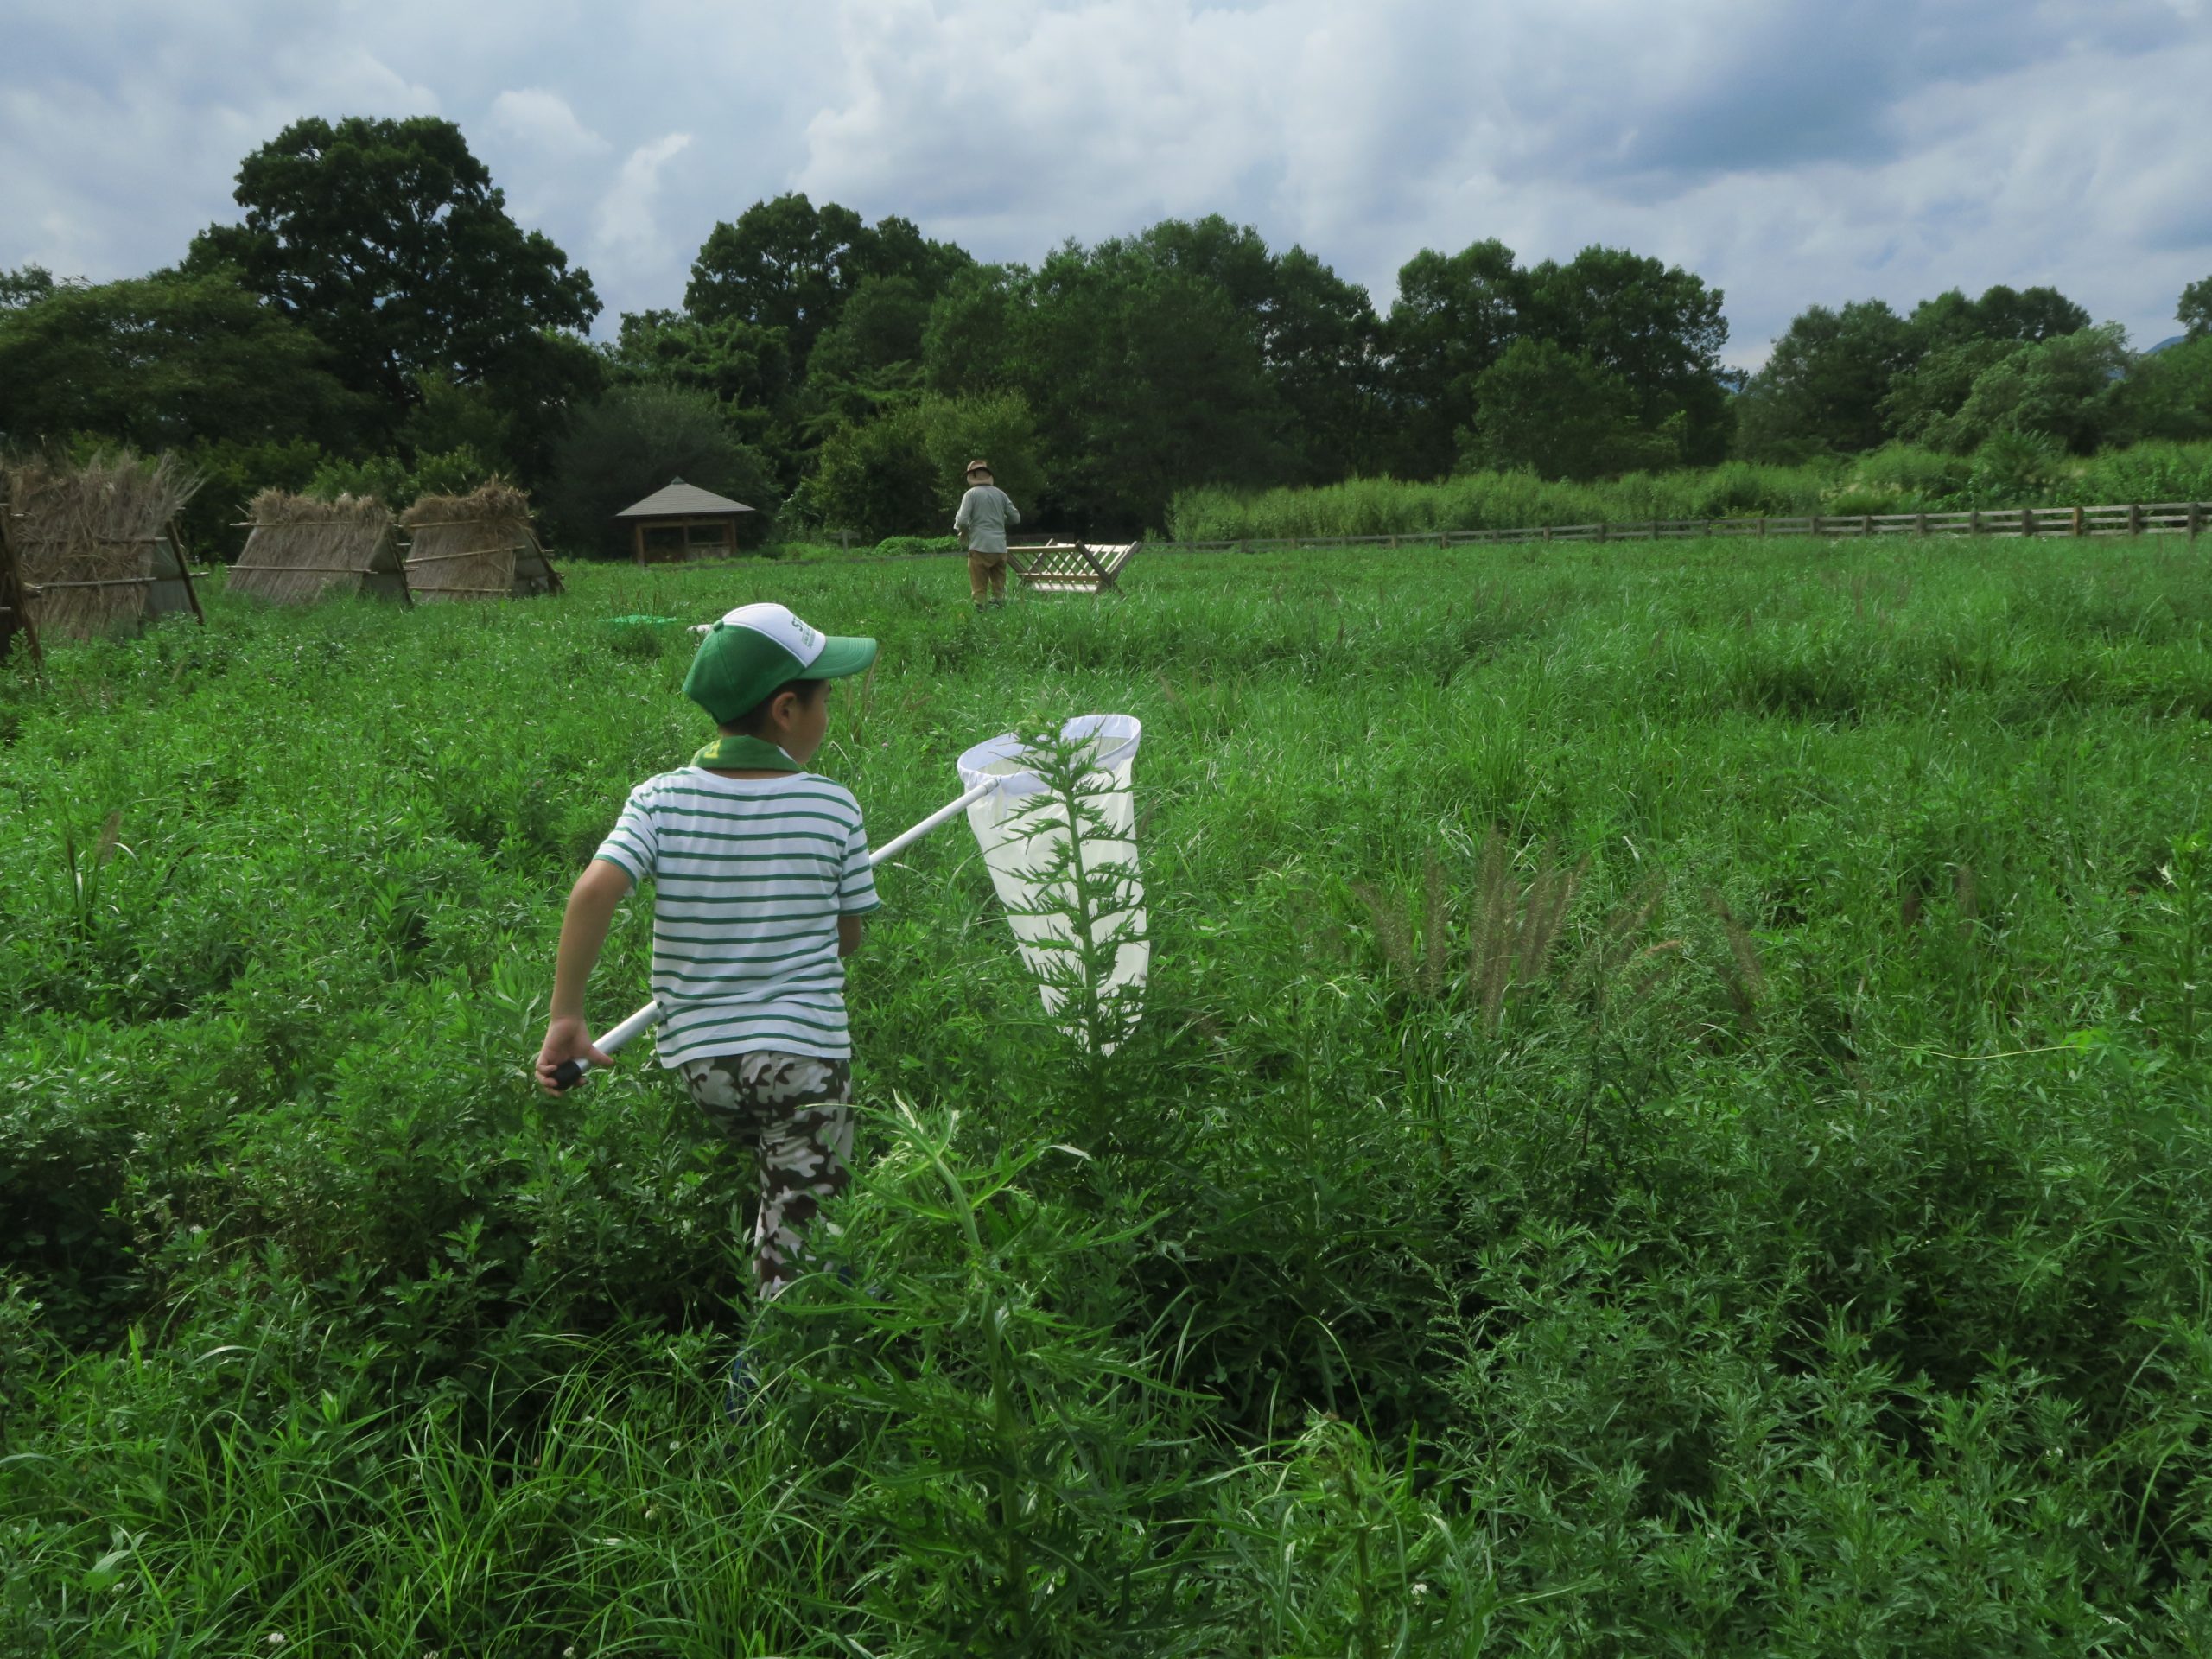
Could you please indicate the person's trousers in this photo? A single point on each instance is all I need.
(986, 576)
(794, 1114)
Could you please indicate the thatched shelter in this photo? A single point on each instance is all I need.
(95, 547)
(476, 546)
(301, 550)
(14, 621)
(683, 523)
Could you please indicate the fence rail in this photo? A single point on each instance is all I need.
(2132, 519)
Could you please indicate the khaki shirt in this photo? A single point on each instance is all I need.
(984, 514)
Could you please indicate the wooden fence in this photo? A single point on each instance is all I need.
(2137, 518)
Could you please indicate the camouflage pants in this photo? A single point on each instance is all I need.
(794, 1114)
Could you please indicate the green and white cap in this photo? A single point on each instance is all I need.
(756, 648)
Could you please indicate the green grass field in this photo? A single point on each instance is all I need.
(1670, 1119)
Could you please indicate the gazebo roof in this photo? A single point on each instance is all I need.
(682, 500)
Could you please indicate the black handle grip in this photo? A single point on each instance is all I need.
(567, 1075)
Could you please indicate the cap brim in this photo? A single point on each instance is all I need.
(841, 657)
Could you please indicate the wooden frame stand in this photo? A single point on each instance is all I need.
(1071, 567)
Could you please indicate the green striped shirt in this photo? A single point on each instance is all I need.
(750, 875)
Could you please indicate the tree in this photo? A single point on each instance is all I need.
(1936, 387)
(1454, 316)
(2021, 315)
(1821, 392)
(635, 439)
(1554, 412)
(2054, 389)
(902, 474)
(24, 287)
(164, 362)
(2029, 315)
(743, 366)
(1144, 378)
(2166, 395)
(1321, 347)
(388, 241)
(2194, 310)
(870, 358)
(1656, 326)
(785, 264)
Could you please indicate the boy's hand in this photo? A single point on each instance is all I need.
(566, 1040)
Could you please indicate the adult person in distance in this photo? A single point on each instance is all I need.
(985, 512)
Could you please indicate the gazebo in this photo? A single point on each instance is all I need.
(683, 521)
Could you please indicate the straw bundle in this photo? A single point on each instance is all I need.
(13, 620)
(476, 546)
(301, 550)
(89, 543)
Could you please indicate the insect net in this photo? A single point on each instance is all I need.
(1076, 900)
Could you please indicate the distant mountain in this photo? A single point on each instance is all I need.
(2152, 351)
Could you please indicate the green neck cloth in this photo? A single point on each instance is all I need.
(744, 755)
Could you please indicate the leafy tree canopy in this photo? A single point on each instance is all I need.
(24, 286)
(2023, 314)
(163, 362)
(903, 474)
(634, 440)
(1656, 326)
(1822, 390)
(1557, 413)
(2054, 389)
(2165, 396)
(1454, 316)
(388, 240)
(2196, 309)
(785, 264)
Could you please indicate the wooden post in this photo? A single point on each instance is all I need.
(2196, 518)
(1816, 523)
(2135, 517)
(1762, 526)
(1548, 532)
(1602, 528)
(1973, 522)
(1920, 524)
(1866, 527)
(2027, 521)
(1654, 530)
(2077, 521)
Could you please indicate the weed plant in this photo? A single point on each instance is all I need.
(1669, 1116)
(2009, 472)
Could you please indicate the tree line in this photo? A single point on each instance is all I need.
(376, 320)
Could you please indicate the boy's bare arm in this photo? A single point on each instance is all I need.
(583, 933)
(848, 935)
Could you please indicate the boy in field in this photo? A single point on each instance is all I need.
(761, 877)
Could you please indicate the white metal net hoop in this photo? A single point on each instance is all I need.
(1025, 840)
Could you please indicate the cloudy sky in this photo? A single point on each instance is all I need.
(1790, 151)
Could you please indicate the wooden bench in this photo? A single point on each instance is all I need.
(1070, 567)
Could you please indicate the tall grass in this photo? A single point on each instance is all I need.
(1669, 1116)
(1899, 479)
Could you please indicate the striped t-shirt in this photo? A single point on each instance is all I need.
(750, 875)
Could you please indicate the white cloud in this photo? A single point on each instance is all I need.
(543, 121)
(626, 212)
(1789, 152)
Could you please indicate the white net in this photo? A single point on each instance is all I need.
(1076, 900)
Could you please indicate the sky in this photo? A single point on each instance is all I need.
(1791, 152)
